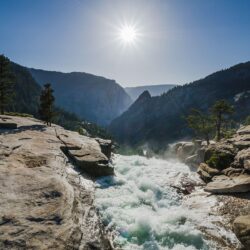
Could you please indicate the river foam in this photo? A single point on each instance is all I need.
(140, 205)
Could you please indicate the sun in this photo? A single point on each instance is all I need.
(128, 34)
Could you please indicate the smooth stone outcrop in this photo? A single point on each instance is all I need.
(241, 227)
(206, 173)
(87, 153)
(242, 159)
(92, 162)
(223, 184)
(45, 202)
(191, 153)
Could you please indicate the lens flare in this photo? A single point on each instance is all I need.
(128, 34)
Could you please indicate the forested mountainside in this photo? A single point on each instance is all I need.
(161, 119)
(26, 91)
(154, 90)
(26, 98)
(91, 97)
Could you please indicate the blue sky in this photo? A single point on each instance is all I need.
(179, 40)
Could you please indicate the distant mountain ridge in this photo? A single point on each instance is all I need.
(91, 97)
(160, 120)
(154, 90)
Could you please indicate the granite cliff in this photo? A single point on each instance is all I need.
(46, 187)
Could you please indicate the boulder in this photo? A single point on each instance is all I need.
(223, 184)
(205, 176)
(91, 161)
(196, 159)
(185, 150)
(241, 140)
(211, 171)
(242, 159)
(241, 227)
(87, 153)
(106, 146)
(244, 130)
(192, 161)
(201, 154)
(206, 173)
(241, 144)
(231, 172)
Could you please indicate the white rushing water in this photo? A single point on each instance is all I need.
(143, 209)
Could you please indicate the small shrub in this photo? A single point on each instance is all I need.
(220, 160)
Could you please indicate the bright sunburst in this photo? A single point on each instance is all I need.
(128, 34)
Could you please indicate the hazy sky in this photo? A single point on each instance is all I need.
(178, 40)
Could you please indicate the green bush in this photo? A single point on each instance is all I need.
(228, 133)
(220, 160)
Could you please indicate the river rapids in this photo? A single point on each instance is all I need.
(145, 211)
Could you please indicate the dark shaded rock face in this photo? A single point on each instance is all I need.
(91, 97)
(4, 124)
(106, 146)
(45, 202)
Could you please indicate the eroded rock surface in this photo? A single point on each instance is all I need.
(229, 160)
(224, 184)
(225, 168)
(241, 228)
(45, 202)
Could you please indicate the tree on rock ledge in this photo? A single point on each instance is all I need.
(220, 110)
(46, 104)
(6, 83)
(201, 123)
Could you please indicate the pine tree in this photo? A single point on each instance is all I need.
(220, 110)
(6, 83)
(201, 123)
(46, 104)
